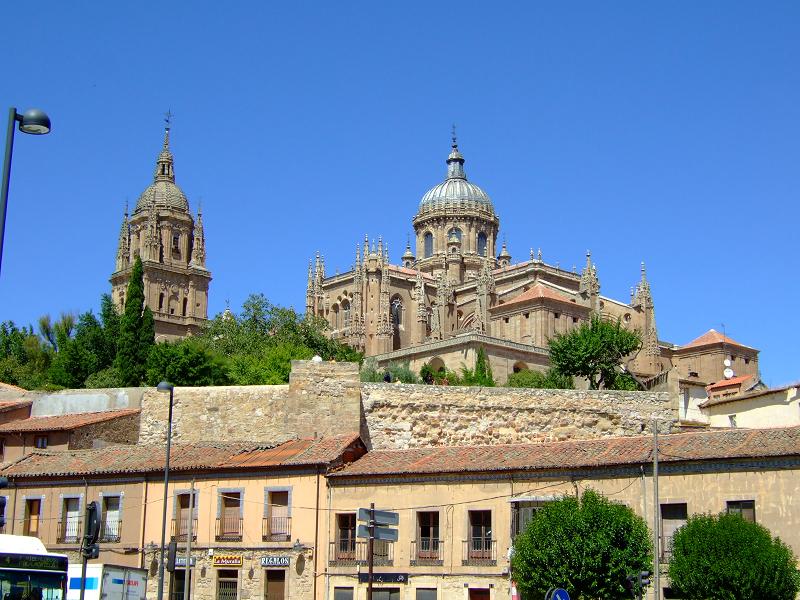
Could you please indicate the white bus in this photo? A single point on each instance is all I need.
(29, 572)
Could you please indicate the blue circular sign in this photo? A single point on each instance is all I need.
(559, 594)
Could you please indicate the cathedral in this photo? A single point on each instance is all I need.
(170, 241)
(454, 292)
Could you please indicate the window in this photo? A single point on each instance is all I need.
(181, 523)
(481, 244)
(176, 583)
(673, 516)
(346, 313)
(385, 593)
(185, 305)
(227, 584)
(397, 312)
(2, 449)
(33, 507)
(480, 545)
(275, 586)
(229, 516)
(556, 315)
(479, 594)
(111, 518)
(732, 421)
(342, 593)
(745, 508)
(426, 594)
(428, 543)
(345, 535)
(428, 243)
(161, 301)
(40, 442)
(69, 527)
(277, 526)
(522, 512)
(455, 231)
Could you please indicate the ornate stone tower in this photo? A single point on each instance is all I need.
(171, 243)
(455, 226)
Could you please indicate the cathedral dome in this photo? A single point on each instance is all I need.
(456, 191)
(163, 191)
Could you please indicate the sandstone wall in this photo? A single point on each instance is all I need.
(408, 416)
(321, 399)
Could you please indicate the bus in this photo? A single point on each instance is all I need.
(29, 572)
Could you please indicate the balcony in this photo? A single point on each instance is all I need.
(229, 529)
(480, 552)
(344, 553)
(69, 531)
(276, 529)
(426, 551)
(109, 531)
(180, 530)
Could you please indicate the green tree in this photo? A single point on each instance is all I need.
(587, 546)
(136, 329)
(725, 557)
(481, 375)
(370, 372)
(595, 351)
(552, 379)
(185, 363)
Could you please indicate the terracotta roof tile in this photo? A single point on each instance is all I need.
(536, 292)
(733, 381)
(183, 457)
(14, 404)
(712, 336)
(747, 395)
(736, 443)
(64, 422)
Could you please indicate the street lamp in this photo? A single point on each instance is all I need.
(165, 387)
(33, 121)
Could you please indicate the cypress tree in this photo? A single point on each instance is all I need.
(135, 331)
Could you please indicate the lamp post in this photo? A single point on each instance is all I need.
(33, 121)
(165, 387)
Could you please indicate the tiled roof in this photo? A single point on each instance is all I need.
(183, 457)
(7, 387)
(735, 443)
(712, 336)
(536, 292)
(14, 404)
(747, 395)
(723, 383)
(64, 422)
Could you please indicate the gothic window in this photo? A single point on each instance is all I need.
(428, 245)
(185, 305)
(397, 312)
(346, 313)
(161, 302)
(481, 244)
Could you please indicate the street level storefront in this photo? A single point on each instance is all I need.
(243, 516)
(460, 508)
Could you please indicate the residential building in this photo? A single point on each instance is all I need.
(68, 432)
(249, 510)
(774, 407)
(461, 507)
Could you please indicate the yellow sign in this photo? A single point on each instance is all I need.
(226, 560)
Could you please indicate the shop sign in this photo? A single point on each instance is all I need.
(180, 561)
(383, 577)
(274, 561)
(226, 560)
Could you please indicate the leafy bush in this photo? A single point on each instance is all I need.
(725, 557)
(370, 372)
(185, 363)
(552, 379)
(587, 546)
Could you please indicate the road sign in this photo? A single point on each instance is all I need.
(382, 517)
(556, 594)
(381, 533)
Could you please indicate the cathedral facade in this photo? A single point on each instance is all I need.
(454, 292)
(171, 243)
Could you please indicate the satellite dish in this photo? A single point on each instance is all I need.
(728, 372)
(727, 362)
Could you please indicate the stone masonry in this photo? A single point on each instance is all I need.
(327, 398)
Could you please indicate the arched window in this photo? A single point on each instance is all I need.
(161, 301)
(346, 313)
(481, 244)
(428, 244)
(454, 231)
(185, 305)
(397, 312)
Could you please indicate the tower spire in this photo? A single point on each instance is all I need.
(455, 162)
(165, 164)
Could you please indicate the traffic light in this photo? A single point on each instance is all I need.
(644, 578)
(172, 552)
(92, 532)
(91, 551)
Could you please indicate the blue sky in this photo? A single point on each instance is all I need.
(659, 133)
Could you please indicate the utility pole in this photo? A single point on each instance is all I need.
(187, 573)
(656, 516)
(370, 545)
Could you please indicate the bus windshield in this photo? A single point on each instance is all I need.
(32, 585)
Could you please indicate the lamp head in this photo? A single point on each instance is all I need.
(165, 386)
(297, 546)
(34, 121)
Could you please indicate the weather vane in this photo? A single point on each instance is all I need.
(168, 118)
(455, 143)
